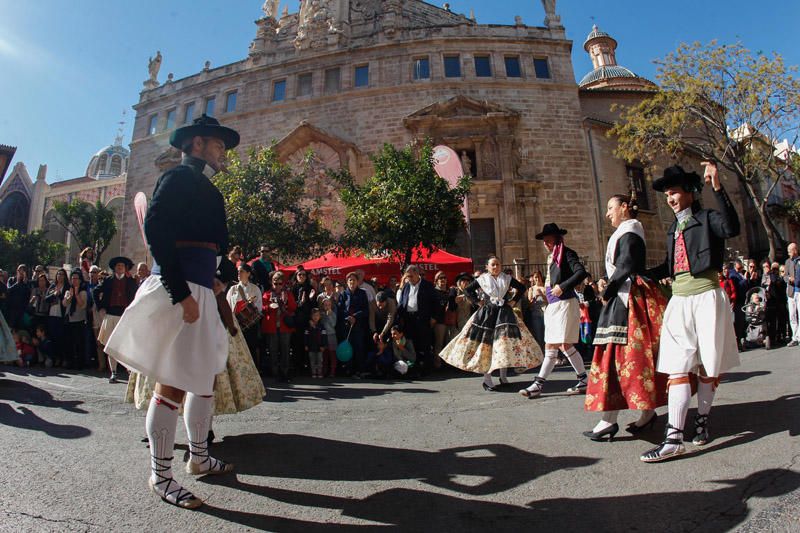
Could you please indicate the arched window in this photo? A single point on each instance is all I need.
(14, 211)
(116, 165)
(101, 164)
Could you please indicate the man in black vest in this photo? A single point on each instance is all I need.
(172, 332)
(113, 296)
(697, 334)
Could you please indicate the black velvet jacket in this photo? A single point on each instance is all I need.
(705, 236)
(629, 259)
(185, 206)
(569, 274)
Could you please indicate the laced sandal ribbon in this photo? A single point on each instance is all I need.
(207, 465)
(663, 452)
(168, 489)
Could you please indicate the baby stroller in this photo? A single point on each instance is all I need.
(755, 315)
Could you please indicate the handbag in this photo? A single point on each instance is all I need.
(246, 313)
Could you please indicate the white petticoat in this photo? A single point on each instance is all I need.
(698, 330)
(107, 328)
(562, 322)
(151, 338)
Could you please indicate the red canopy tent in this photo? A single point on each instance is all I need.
(429, 263)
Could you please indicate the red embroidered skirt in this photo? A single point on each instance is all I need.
(623, 376)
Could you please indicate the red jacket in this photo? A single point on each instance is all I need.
(269, 322)
(730, 289)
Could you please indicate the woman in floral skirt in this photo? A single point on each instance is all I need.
(493, 338)
(623, 374)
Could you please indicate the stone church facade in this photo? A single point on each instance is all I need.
(342, 77)
(26, 203)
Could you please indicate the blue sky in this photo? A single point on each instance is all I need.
(69, 69)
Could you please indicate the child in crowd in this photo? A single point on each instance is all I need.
(314, 343)
(403, 349)
(329, 330)
(43, 345)
(25, 349)
(379, 362)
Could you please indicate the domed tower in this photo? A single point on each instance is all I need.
(109, 162)
(607, 73)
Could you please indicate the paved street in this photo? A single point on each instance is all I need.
(433, 455)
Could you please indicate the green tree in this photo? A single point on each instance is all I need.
(404, 204)
(90, 225)
(28, 248)
(722, 103)
(266, 204)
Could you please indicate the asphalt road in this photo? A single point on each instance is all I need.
(432, 455)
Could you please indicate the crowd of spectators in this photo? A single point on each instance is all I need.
(396, 328)
(54, 316)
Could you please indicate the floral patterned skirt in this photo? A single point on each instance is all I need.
(623, 376)
(237, 388)
(493, 338)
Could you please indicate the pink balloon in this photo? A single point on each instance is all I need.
(447, 164)
(140, 206)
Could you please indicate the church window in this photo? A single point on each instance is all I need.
(483, 66)
(14, 211)
(101, 165)
(170, 119)
(151, 128)
(541, 67)
(230, 102)
(210, 103)
(637, 181)
(513, 69)
(279, 91)
(422, 68)
(188, 113)
(362, 76)
(333, 80)
(116, 165)
(304, 86)
(452, 66)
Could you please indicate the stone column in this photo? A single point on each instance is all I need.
(512, 246)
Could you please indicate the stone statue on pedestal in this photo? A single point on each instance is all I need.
(271, 8)
(551, 19)
(154, 65)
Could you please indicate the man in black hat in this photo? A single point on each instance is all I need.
(113, 296)
(697, 335)
(562, 316)
(172, 332)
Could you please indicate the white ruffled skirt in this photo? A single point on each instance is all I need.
(152, 339)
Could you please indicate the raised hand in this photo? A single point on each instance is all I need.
(711, 174)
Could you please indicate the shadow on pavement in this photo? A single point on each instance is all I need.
(749, 422)
(25, 393)
(717, 509)
(733, 377)
(477, 470)
(24, 418)
(278, 392)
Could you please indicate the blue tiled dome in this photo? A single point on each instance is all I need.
(605, 73)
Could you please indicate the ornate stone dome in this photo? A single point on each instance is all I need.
(601, 48)
(109, 162)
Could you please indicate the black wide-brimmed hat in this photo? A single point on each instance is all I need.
(675, 176)
(464, 275)
(120, 259)
(205, 126)
(551, 228)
